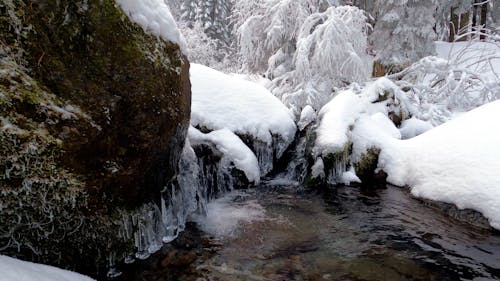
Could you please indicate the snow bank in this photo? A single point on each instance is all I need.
(233, 148)
(154, 16)
(224, 101)
(457, 162)
(17, 270)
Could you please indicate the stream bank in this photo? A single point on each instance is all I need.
(347, 234)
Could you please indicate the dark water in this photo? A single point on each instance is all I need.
(347, 234)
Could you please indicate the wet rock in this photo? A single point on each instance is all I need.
(366, 169)
(179, 258)
(468, 216)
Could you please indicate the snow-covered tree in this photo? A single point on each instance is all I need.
(464, 80)
(213, 15)
(305, 48)
(404, 31)
(206, 50)
(266, 27)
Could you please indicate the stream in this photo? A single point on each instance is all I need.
(279, 231)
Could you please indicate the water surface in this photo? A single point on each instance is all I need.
(346, 234)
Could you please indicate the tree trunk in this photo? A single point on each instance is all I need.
(453, 24)
(484, 15)
(475, 9)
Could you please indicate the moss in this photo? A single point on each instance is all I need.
(332, 159)
(366, 169)
(82, 87)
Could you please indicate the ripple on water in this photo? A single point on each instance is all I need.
(346, 234)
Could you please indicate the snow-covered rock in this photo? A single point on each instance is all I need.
(224, 101)
(154, 16)
(16, 270)
(233, 148)
(307, 116)
(245, 108)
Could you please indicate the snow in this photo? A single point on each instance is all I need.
(231, 146)
(307, 116)
(456, 162)
(467, 54)
(223, 101)
(371, 131)
(463, 76)
(413, 127)
(349, 177)
(154, 16)
(478, 58)
(16, 270)
(384, 124)
(341, 113)
(336, 117)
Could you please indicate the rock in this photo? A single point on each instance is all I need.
(179, 258)
(93, 117)
(366, 169)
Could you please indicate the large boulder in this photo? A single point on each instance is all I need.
(93, 117)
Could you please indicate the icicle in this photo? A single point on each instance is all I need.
(112, 272)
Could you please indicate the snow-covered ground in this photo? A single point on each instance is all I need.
(17, 270)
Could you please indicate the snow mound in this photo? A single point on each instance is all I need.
(16, 270)
(413, 127)
(336, 117)
(224, 101)
(154, 16)
(457, 162)
(233, 148)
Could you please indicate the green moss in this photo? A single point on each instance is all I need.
(366, 169)
(131, 107)
(332, 159)
(368, 163)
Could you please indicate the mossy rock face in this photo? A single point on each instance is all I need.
(366, 169)
(101, 107)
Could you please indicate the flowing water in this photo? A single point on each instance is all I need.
(278, 232)
(349, 234)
